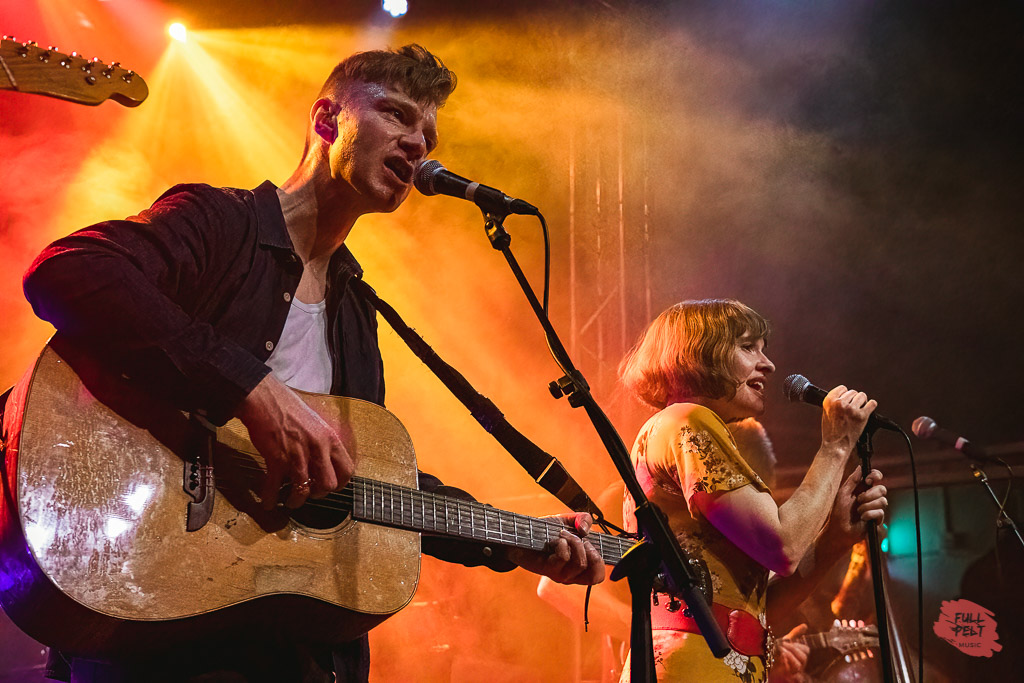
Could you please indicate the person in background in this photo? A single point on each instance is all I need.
(703, 365)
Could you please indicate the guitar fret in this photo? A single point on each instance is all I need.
(519, 521)
(483, 529)
(484, 532)
(506, 519)
(472, 530)
(494, 525)
(417, 504)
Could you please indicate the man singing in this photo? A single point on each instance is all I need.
(224, 300)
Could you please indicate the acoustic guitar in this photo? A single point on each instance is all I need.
(28, 68)
(125, 522)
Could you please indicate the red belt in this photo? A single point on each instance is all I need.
(744, 631)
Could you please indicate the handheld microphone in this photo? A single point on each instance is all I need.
(799, 388)
(432, 178)
(925, 428)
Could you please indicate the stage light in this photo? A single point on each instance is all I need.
(177, 31)
(396, 8)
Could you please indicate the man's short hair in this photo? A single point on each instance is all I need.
(687, 351)
(411, 69)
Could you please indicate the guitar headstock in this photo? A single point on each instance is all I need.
(27, 67)
(849, 638)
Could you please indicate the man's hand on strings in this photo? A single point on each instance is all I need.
(297, 444)
(568, 557)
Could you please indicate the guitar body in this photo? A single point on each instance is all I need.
(95, 555)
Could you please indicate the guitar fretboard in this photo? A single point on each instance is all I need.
(814, 640)
(405, 508)
(841, 638)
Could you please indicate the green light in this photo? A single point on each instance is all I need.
(885, 545)
(902, 537)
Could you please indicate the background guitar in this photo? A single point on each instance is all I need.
(26, 67)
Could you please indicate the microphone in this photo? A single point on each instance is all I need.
(799, 388)
(925, 428)
(433, 178)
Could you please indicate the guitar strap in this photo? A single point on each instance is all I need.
(545, 469)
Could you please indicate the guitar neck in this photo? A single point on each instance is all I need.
(813, 640)
(841, 638)
(405, 508)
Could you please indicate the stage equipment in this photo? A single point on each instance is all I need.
(799, 389)
(925, 428)
(433, 178)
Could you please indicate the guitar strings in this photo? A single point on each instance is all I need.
(414, 497)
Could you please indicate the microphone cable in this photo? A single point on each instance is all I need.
(920, 555)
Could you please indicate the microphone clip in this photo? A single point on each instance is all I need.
(495, 227)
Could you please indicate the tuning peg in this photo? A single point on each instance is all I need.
(127, 77)
(109, 71)
(7, 37)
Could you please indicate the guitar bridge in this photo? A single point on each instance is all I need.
(198, 482)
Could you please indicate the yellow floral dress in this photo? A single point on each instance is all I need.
(683, 449)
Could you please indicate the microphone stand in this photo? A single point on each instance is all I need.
(1004, 520)
(658, 552)
(865, 450)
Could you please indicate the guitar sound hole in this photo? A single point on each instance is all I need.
(324, 513)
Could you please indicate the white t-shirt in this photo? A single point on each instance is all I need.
(301, 359)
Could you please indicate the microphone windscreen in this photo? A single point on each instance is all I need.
(923, 427)
(425, 173)
(795, 386)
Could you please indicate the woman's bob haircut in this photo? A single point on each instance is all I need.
(686, 352)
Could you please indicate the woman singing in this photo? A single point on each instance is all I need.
(703, 365)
